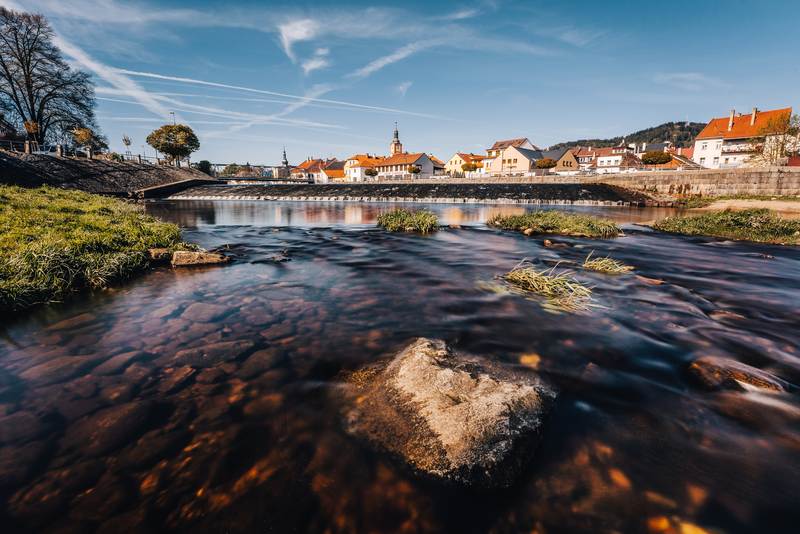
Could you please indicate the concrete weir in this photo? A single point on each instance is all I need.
(446, 193)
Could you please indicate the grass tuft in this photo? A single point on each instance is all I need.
(561, 291)
(557, 222)
(403, 220)
(606, 265)
(55, 241)
(759, 225)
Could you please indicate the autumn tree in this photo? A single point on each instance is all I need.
(38, 88)
(468, 167)
(127, 142)
(777, 140)
(413, 169)
(177, 141)
(371, 172)
(654, 157)
(545, 163)
(231, 169)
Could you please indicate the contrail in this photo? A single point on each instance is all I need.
(272, 93)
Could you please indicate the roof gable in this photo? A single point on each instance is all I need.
(742, 127)
(516, 143)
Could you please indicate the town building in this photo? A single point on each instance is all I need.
(513, 160)
(729, 142)
(309, 170)
(454, 166)
(612, 160)
(497, 148)
(332, 171)
(355, 167)
(398, 166)
(567, 164)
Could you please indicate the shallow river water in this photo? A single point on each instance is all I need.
(112, 418)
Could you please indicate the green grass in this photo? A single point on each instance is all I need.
(606, 265)
(697, 201)
(557, 222)
(759, 225)
(54, 242)
(561, 291)
(402, 220)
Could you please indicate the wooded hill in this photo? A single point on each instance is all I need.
(681, 134)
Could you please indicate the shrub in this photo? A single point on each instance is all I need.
(371, 172)
(546, 163)
(557, 222)
(759, 225)
(656, 158)
(413, 169)
(402, 220)
(113, 156)
(468, 167)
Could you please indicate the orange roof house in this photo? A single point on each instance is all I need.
(755, 124)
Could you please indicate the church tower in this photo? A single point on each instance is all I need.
(396, 147)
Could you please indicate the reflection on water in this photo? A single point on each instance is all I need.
(209, 400)
(191, 213)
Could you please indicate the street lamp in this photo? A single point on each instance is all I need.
(173, 117)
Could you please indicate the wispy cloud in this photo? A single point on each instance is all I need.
(462, 14)
(403, 88)
(295, 31)
(688, 81)
(318, 61)
(398, 55)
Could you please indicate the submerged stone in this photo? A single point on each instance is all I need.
(725, 373)
(452, 416)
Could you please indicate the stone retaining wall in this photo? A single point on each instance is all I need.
(768, 181)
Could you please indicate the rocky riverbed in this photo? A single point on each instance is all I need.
(215, 399)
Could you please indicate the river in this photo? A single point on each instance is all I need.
(111, 422)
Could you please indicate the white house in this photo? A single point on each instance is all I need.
(356, 166)
(398, 166)
(728, 142)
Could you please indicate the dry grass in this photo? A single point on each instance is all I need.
(557, 222)
(606, 265)
(55, 241)
(403, 220)
(561, 291)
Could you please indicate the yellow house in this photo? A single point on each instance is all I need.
(455, 163)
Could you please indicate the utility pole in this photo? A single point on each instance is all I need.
(173, 117)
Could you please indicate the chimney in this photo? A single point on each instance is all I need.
(753, 117)
(730, 120)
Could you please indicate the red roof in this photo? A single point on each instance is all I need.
(400, 159)
(500, 145)
(742, 127)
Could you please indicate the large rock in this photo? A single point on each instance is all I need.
(108, 429)
(449, 415)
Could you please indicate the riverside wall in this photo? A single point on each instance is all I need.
(767, 181)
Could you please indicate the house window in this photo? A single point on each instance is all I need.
(704, 146)
(716, 161)
(726, 160)
(702, 161)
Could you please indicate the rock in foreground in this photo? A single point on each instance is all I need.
(453, 416)
(188, 258)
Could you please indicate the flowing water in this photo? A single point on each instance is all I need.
(110, 422)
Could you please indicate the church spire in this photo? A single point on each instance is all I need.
(396, 147)
(285, 161)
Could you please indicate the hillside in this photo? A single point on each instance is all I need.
(94, 176)
(681, 134)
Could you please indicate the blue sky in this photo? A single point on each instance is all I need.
(331, 78)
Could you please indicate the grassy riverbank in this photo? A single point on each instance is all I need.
(54, 242)
(759, 225)
(402, 220)
(557, 222)
(708, 201)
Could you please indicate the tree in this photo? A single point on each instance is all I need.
(127, 142)
(413, 169)
(371, 172)
(655, 157)
(546, 163)
(468, 167)
(204, 166)
(38, 89)
(231, 169)
(175, 140)
(85, 137)
(777, 140)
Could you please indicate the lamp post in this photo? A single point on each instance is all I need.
(173, 117)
